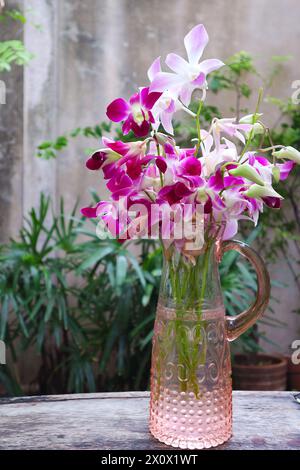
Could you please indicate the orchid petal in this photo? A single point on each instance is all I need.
(240, 136)
(169, 149)
(143, 96)
(200, 80)
(90, 212)
(118, 147)
(133, 168)
(166, 121)
(161, 164)
(135, 99)
(151, 99)
(177, 64)
(171, 108)
(273, 202)
(96, 161)
(263, 161)
(209, 65)
(216, 181)
(166, 81)
(109, 170)
(191, 166)
(231, 229)
(118, 110)
(154, 69)
(186, 93)
(142, 130)
(285, 169)
(151, 117)
(127, 124)
(195, 42)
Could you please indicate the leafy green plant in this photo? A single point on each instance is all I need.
(235, 78)
(81, 328)
(85, 307)
(13, 51)
(49, 149)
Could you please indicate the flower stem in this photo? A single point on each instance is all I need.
(254, 120)
(160, 173)
(198, 127)
(204, 278)
(187, 110)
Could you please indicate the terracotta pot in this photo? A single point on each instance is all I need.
(293, 375)
(259, 372)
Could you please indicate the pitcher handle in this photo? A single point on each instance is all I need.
(238, 324)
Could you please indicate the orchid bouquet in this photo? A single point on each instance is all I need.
(221, 179)
(220, 175)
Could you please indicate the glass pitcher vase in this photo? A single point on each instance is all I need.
(191, 390)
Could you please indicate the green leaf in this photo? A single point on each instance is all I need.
(45, 145)
(137, 269)
(121, 269)
(49, 310)
(4, 317)
(95, 258)
(147, 340)
(13, 52)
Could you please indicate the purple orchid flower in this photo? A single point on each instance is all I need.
(173, 193)
(285, 169)
(273, 202)
(113, 152)
(188, 75)
(166, 105)
(189, 170)
(136, 113)
(155, 173)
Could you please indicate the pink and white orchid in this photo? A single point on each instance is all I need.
(188, 75)
(153, 181)
(136, 113)
(166, 105)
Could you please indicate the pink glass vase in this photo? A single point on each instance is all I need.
(191, 391)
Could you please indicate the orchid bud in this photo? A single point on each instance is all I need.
(257, 129)
(250, 118)
(256, 191)
(288, 152)
(163, 139)
(248, 172)
(276, 174)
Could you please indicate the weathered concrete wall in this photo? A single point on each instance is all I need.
(11, 139)
(89, 52)
(40, 100)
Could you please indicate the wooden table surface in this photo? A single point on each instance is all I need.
(262, 420)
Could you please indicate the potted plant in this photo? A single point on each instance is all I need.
(259, 371)
(293, 367)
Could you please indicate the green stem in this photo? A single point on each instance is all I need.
(187, 290)
(198, 127)
(254, 120)
(160, 173)
(204, 278)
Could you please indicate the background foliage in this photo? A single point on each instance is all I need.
(85, 308)
(12, 51)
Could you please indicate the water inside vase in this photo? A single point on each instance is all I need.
(191, 385)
